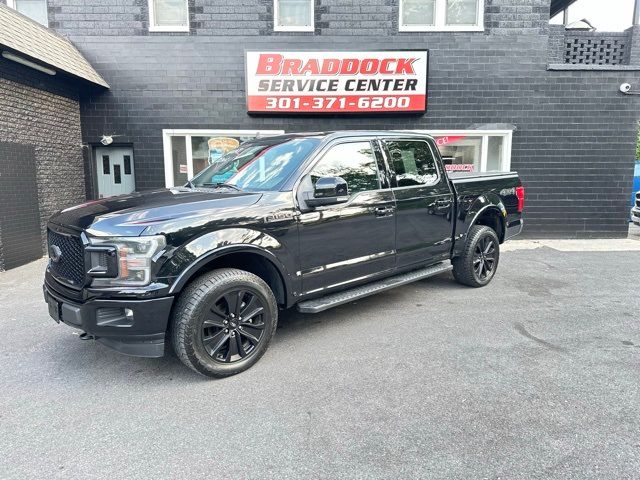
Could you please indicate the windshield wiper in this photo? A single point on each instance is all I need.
(222, 184)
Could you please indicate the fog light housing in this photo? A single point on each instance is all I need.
(114, 317)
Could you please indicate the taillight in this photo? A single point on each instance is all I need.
(520, 195)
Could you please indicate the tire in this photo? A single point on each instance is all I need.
(208, 331)
(477, 264)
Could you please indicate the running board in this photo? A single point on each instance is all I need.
(340, 298)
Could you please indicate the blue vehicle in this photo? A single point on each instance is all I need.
(635, 196)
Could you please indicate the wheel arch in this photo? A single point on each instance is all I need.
(243, 257)
(488, 210)
(245, 249)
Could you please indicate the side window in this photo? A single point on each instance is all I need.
(413, 162)
(352, 161)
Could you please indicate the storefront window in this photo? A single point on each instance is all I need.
(461, 153)
(293, 15)
(474, 151)
(495, 154)
(187, 152)
(441, 15)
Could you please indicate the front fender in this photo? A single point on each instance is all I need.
(186, 260)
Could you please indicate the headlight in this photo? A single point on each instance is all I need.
(134, 256)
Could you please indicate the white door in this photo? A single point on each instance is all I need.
(114, 169)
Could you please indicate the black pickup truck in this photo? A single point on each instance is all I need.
(310, 220)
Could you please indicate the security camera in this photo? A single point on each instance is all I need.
(625, 88)
(106, 140)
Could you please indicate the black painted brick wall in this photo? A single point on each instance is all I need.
(20, 219)
(255, 17)
(44, 113)
(575, 139)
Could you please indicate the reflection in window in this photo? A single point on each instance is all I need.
(413, 162)
(169, 13)
(417, 15)
(495, 154)
(461, 153)
(418, 12)
(261, 166)
(462, 12)
(354, 162)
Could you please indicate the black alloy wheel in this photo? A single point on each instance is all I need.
(484, 258)
(223, 322)
(234, 326)
(476, 265)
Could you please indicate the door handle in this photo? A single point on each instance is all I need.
(384, 211)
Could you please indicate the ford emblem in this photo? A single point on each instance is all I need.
(55, 253)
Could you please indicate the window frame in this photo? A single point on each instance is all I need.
(284, 28)
(484, 148)
(167, 134)
(12, 4)
(160, 28)
(440, 18)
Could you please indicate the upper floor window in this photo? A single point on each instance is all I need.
(293, 15)
(34, 9)
(441, 15)
(168, 16)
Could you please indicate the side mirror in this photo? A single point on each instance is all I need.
(328, 191)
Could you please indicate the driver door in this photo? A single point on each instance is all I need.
(346, 243)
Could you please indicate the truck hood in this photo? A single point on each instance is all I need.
(154, 211)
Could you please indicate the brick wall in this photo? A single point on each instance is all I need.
(575, 139)
(44, 112)
(255, 17)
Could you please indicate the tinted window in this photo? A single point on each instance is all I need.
(117, 178)
(354, 162)
(105, 165)
(413, 162)
(257, 166)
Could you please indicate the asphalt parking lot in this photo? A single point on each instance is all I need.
(534, 376)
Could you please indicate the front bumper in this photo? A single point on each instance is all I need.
(635, 215)
(130, 326)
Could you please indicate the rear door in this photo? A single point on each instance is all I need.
(424, 201)
(348, 242)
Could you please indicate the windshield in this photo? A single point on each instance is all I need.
(256, 166)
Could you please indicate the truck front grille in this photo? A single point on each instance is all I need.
(66, 255)
(638, 200)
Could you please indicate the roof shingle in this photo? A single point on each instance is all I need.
(23, 35)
